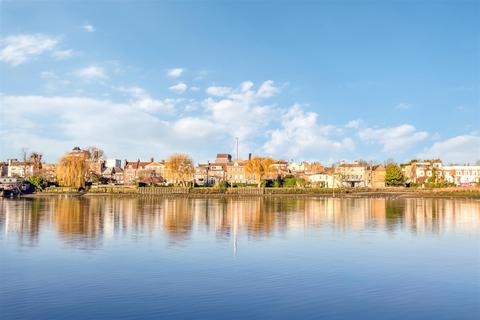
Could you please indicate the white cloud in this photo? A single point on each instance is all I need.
(395, 140)
(403, 106)
(353, 124)
(267, 89)
(219, 91)
(121, 129)
(91, 72)
(179, 87)
(88, 28)
(62, 54)
(175, 73)
(241, 111)
(53, 83)
(459, 149)
(144, 101)
(21, 48)
(301, 135)
(246, 86)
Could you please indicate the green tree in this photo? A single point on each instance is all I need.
(393, 175)
(38, 182)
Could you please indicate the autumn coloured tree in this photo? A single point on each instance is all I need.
(259, 167)
(72, 169)
(179, 169)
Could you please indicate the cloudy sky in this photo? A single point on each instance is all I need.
(312, 81)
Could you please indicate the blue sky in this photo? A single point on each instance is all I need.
(306, 81)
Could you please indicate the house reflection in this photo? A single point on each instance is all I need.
(88, 222)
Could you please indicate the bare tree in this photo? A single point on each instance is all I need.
(36, 159)
(95, 154)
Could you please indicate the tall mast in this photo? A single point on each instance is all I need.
(236, 141)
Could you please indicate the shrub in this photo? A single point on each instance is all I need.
(38, 182)
(223, 185)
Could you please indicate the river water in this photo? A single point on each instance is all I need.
(239, 258)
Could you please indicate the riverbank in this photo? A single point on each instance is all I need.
(470, 193)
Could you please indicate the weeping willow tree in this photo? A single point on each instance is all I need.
(71, 171)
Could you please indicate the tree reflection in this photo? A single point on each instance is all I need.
(87, 222)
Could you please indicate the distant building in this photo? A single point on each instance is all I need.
(223, 158)
(377, 177)
(113, 163)
(150, 172)
(237, 173)
(201, 175)
(461, 175)
(49, 172)
(3, 169)
(296, 168)
(352, 175)
(280, 168)
(325, 179)
(156, 168)
(419, 172)
(21, 169)
(113, 175)
(217, 172)
(134, 171)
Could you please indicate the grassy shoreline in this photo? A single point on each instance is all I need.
(471, 193)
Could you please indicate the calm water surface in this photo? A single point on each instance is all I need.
(279, 258)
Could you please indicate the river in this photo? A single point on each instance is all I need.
(104, 257)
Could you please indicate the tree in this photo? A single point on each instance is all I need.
(36, 159)
(38, 182)
(95, 154)
(393, 175)
(179, 168)
(259, 167)
(72, 170)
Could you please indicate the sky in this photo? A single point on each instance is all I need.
(323, 80)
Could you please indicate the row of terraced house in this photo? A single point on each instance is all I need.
(233, 171)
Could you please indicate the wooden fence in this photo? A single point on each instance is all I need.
(160, 190)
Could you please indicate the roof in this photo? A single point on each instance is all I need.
(351, 165)
(112, 170)
(20, 163)
(136, 164)
(223, 155)
(156, 163)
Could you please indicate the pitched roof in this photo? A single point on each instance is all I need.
(136, 164)
(20, 163)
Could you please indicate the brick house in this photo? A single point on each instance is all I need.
(353, 175)
(134, 171)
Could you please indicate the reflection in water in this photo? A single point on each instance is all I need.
(87, 222)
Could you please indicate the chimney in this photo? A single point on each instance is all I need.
(250, 156)
(152, 159)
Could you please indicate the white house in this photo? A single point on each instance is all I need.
(461, 175)
(19, 169)
(113, 163)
